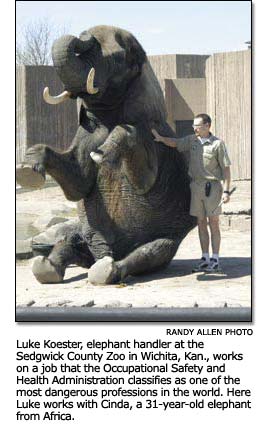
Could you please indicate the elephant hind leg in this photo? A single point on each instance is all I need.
(146, 258)
(52, 269)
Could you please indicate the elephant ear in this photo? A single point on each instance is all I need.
(135, 54)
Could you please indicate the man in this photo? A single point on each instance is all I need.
(208, 166)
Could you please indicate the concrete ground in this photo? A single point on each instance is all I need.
(175, 286)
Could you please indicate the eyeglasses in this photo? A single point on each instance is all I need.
(199, 126)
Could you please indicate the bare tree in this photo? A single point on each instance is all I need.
(33, 45)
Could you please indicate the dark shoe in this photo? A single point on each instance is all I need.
(214, 266)
(202, 265)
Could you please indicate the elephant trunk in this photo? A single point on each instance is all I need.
(75, 74)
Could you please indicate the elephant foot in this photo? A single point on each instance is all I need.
(30, 177)
(45, 272)
(104, 271)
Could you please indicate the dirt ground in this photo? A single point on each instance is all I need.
(176, 286)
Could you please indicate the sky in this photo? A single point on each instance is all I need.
(163, 27)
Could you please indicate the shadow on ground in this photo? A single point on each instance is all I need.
(76, 278)
(232, 267)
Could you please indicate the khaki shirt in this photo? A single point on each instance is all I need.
(208, 160)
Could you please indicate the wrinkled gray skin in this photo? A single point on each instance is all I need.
(134, 202)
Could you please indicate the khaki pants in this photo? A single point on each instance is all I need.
(201, 205)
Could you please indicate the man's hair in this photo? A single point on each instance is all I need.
(205, 118)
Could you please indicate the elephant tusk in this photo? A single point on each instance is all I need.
(98, 158)
(90, 82)
(54, 100)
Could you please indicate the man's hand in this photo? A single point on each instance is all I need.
(171, 142)
(157, 136)
(225, 198)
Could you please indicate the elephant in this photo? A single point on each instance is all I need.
(132, 193)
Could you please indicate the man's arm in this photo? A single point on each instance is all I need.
(224, 163)
(226, 185)
(182, 144)
(171, 142)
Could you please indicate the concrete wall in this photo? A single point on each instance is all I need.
(228, 85)
(178, 66)
(226, 96)
(37, 121)
(21, 113)
(191, 66)
(184, 99)
(182, 79)
(164, 66)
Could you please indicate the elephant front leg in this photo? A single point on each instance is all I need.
(129, 147)
(31, 173)
(62, 166)
(51, 269)
(116, 146)
(146, 258)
